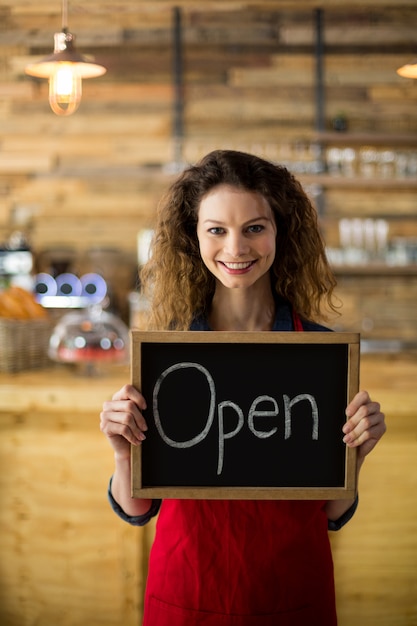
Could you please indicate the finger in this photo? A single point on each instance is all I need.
(125, 410)
(367, 445)
(125, 424)
(368, 439)
(364, 418)
(364, 411)
(128, 392)
(117, 429)
(360, 399)
(371, 426)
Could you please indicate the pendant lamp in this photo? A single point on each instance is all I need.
(65, 68)
(409, 70)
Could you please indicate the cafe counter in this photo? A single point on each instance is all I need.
(66, 558)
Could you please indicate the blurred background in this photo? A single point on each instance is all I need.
(312, 85)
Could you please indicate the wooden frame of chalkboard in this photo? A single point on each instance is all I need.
(244, 415)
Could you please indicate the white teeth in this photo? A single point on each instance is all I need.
(238, 266)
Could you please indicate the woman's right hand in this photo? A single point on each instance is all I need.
(121, 419)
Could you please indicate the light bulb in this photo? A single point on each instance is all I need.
(65, 89)
(409, 70)
(65, 69)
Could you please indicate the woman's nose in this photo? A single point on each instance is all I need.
(236, 245)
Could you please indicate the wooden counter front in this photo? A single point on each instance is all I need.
(65, 557)
(58, 388)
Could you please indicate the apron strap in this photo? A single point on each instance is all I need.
(298, 327)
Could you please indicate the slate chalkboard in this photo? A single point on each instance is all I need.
(245, 415)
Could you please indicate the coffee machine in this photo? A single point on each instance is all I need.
(16, 263)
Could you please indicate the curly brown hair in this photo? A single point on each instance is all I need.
(175, 280)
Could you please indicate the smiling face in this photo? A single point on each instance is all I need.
(236, 232)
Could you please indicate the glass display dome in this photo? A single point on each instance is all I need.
(90, 337)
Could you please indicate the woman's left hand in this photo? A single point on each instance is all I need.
(365, 425)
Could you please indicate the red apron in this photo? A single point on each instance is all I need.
(241, 563)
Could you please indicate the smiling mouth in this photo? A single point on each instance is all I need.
(238, 266)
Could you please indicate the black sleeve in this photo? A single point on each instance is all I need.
(345, 518)
(134, 520)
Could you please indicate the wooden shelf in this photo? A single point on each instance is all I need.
(375, 270)
(374, 139)
(357, 182)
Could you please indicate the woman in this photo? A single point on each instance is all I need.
(236, 247)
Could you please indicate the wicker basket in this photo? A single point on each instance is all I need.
(24, 344)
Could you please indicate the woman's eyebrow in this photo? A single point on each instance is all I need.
(258, 219)
(254, 219)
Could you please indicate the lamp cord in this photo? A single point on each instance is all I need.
(64, 15)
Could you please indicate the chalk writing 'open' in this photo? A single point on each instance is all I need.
(253, 413)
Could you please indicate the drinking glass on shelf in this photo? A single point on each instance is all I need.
(400, 164)
(386, 164)
(412, 164)
(351, 240)
(345, 233)
(368, 161)
(369, 237)
(363, 240)
(348, 161)
(333, 161)
(316, 162)
(381, 238)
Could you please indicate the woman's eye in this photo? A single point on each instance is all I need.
(216, 230)
(255, 228)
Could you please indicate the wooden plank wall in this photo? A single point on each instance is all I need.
(93, 180)
(249, 87)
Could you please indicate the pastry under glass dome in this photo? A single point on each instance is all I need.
(90, 338)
